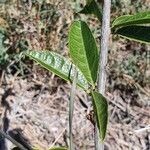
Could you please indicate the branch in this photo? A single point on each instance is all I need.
(105, 32)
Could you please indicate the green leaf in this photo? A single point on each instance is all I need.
(136, 33)
(101, 111)
(92, 8)
(58, 148)
(83, 50)
(139, 18)
(89, 1)
(58, 65)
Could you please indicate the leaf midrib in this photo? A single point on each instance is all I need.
(86, 55)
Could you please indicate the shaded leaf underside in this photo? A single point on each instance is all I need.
(137, 33)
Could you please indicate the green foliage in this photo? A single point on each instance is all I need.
(101, 111)
(136, 33)
(83, 50)
(140, 18)
(132, 27)
(84, 54)
(58, 65)
(92, 8)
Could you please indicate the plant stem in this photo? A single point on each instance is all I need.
(105, 32)
(71, 109)
(98, 144)
(12, 140)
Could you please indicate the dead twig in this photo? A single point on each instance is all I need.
(58, 137)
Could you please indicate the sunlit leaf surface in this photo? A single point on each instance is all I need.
(83, 50)
(140, 18)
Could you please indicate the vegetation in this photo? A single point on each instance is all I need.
(84, 53)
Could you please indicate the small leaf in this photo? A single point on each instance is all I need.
(83, 50)
(58, 65)
(101, 111)
(92, 8)
(89, 1)
(136, 33)
(58, 148)
(139, 18)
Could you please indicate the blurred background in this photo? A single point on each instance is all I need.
(34, 102)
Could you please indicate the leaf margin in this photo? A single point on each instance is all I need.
(92, 7)
(126, 20)
(118, 32)
(93, 79)
(96, 97)
(84, 87)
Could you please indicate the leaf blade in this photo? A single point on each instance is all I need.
(58, 65)
(83, 50)
(136, 33)
(139, 18)
(92, 8)
(101, 110)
